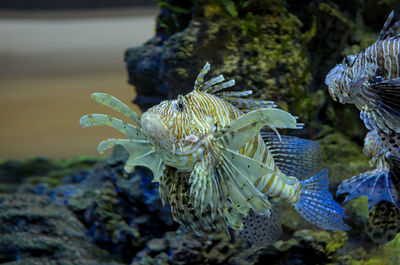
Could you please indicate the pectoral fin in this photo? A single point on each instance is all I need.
(141, 153)
(204, 189)
(385, 103)
(116, 105)
(247, 126)
(238, 173)
(123, 127)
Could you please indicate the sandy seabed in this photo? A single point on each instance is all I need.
(49, 68)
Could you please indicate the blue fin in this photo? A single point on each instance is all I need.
(317, 206)
(294, 156)
(377, 186)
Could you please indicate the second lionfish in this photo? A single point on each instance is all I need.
(371, 81)
(215, 167)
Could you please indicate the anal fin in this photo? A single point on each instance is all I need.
(261, 230)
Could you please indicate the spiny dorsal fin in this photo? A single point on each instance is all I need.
(391, 25)
(247, 105)
(216, 84)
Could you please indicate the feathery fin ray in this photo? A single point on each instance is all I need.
(141, 153)
(376, 185)
(317, 206)
(123, 127)
(116, 105)
(294, 156)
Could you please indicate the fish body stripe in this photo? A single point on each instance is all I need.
(185, 156)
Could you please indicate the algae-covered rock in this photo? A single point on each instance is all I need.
(282, 50)
(34, 230)
(342, 157)
(262, 50)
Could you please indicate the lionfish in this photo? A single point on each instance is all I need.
(217, 166)
(371, 81)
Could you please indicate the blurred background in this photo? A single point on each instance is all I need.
(53, 55)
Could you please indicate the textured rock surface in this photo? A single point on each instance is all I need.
(107, 214)
(34, 230)
(120, 211)
(281, 51)
(261, 51)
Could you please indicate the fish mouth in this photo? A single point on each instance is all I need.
(156, 131)
(331, 80)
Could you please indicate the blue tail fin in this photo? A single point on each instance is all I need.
(377, 186)
(317, 206)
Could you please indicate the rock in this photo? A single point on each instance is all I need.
(15, 172)
(157, 244)
(120, 211)
(34, 230)
(342, 157)
(261, 50)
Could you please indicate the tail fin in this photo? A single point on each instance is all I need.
(377, 186)
(317, 206)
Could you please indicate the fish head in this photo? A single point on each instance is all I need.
(155, 128)
(175, 124)
(341, 78)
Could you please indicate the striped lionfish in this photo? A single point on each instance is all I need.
(371, 81)
(215, 167)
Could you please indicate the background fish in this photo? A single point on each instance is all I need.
(370, 80)
(213, 165)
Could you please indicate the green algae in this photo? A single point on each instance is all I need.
(342, 157)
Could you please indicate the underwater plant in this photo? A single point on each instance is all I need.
(215, 167)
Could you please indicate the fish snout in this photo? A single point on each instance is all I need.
(155, 130)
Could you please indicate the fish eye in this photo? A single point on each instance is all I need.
(180, 106)
(346, 61)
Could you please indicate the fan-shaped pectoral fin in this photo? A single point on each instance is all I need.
(239, 175)
(204, 188)
(129, 130)
(247, 126)
(117, 105)
(141, 153)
